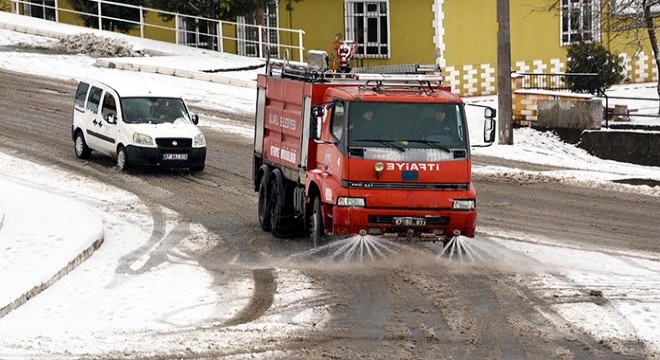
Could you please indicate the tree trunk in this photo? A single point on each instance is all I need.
(653, 38)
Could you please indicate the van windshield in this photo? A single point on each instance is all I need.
(154, 110)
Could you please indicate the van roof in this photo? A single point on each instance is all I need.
(137, 88)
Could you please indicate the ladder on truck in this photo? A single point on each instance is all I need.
(316, 71)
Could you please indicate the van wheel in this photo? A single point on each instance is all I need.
(80, 146)
(316, 223)
(264, 206)
(122, 159)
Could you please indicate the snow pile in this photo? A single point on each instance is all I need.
(96, 46)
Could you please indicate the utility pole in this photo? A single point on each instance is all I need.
(505, 116)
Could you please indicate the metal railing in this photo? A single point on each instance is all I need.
(176, 26)
(551, 81)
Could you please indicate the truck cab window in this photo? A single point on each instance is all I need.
(338, 121)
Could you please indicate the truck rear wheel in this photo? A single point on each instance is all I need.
(276, 210)
(264, 206)
(316, 223)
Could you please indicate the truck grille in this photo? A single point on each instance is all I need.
(403, 186)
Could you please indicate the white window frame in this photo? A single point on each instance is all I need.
(248, 37)
(585, 21)
(351, 31)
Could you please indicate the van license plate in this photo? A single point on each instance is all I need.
(409, 221)
(175, 156)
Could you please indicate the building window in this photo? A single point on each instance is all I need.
(248, 33)
(367, 22)
(579, 21)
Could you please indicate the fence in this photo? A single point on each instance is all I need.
(551, 82)
(621, 108)
(224, 36)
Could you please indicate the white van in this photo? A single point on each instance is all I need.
(137, 125)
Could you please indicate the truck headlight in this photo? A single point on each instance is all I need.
(142, 139)
(463, 205)
(199, 140)
(351, 202)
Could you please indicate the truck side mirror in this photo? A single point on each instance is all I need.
(195, 119)
(490, 113)
(315, 123)
(489, 130)
(318, 111)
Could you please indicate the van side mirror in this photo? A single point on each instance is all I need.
(195, 119)
(111, 118)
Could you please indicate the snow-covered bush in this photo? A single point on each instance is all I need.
(96, 46)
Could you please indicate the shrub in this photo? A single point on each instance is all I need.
(593, 58)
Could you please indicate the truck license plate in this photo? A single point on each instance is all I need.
(175, 156)
(409, 221)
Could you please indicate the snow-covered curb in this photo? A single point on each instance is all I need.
(23, 298)
(153, 65)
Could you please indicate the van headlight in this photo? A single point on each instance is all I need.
(142, 139)
(351, 202)
(463, 204)
(199, 140)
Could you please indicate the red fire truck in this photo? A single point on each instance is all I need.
(358, 153)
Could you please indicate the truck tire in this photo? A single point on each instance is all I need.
(264, 206)
(276, 210)
(80, 146)
(316, 231)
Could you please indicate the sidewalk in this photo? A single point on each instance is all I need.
(43, 236)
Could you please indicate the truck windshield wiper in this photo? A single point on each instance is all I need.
(435, 144)
(390, 143)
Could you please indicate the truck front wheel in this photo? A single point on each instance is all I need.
(264, 206)
(316, 223)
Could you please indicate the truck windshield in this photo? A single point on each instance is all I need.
(402, 126)
(154, 110)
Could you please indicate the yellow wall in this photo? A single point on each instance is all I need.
(321, 20)
(411, 32)
(470, 31)
(411, 28)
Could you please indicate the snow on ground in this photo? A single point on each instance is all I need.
(565, 276)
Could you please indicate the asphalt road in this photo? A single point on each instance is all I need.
(410, 308)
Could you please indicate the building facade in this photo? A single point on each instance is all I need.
(461, 35)
(458, 35)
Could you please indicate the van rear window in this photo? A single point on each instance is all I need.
(81, 94)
